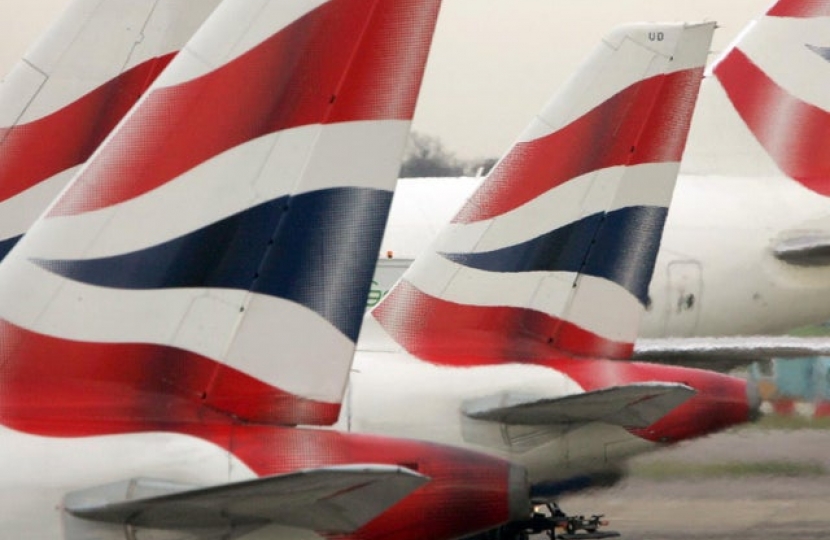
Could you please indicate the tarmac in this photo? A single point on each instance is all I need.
(749, 484)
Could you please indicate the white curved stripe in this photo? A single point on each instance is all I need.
(71, 56)
(720, 143)
(295, 161)
(648, 184)
(779, 47)
(93, 42)
(236, 27)
(17, 91)
(598, 305)
(606, 309)
(18, 213)
(292, 348)
(442, 278)
(265, 337)
(629, 54)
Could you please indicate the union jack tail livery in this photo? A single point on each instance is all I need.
(203, 278)
(508, 332)
(214, 255)
(556, 249)
(71, 89)
(765, 111)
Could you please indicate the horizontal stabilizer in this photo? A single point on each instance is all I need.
(635, 405)
(332, 500)
(725, 353)
(804, 250)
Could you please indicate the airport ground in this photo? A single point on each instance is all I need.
(759, 482)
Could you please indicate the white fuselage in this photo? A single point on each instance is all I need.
(38, 472)
(718, 245)
(716, 273)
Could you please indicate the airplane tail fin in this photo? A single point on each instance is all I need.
(556, 248)
(213, 257)
(764, 111)
(71, 89)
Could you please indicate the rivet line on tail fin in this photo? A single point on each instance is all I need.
(592, 245)
(279, 249)
(797, 142)
(625, 248)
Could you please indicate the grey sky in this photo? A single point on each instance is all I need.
(494, 62)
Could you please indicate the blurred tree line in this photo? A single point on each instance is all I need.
(425, 156)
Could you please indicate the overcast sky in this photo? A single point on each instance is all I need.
(494, 63)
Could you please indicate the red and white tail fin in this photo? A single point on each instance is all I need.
(765, 110)
(556, 249)
(212, 258)
(71, 89)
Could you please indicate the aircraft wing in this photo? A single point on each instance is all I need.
(633, 405)
(726, 353)
(332, 500)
